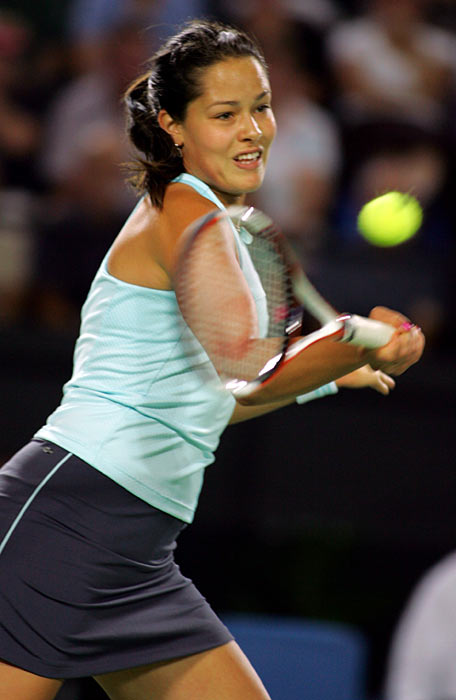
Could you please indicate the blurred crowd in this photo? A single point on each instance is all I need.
(364, 96)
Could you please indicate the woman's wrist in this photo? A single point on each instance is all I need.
(325, 390)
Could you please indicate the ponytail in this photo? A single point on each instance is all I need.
(162, 161)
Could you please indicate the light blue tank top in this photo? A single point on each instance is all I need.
(144, 405)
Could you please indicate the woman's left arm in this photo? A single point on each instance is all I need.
(367, 377)
(364, 377)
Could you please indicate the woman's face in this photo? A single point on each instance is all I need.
(227, 131)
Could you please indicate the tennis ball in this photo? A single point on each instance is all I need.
(390, 219)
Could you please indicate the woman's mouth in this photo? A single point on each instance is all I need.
(249, 160)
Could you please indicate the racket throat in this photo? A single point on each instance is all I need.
(347, 328)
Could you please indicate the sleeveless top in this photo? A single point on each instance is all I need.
(144, 405)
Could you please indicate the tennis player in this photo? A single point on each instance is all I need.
(91, 508)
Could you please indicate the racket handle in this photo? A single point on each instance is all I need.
(366, 331)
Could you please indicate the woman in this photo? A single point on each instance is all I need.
(91, 508)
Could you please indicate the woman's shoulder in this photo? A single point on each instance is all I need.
(182, 204)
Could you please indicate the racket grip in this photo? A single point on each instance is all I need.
(366, 332)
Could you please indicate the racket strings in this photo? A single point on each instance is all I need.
(235, 352)
(272, 267)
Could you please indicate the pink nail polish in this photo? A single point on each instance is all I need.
(407, 326)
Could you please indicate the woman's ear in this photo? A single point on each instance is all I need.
(170, 125)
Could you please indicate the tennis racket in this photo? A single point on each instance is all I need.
(249, 339)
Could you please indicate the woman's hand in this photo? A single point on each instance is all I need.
(367, 377)
(405, 347)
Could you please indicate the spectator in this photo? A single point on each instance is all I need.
(16, 253)
(392, 65)
(317, 13)
(93, 98)
(76, 229)
(19, 136)
(394, 74)
(421, 664)
(19, 129)
(90, 20)
(307, 145)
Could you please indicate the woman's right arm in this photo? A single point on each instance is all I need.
(327, 360)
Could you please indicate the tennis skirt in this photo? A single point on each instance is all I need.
(88, 581)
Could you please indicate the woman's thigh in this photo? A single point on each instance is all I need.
(223, 673)
(22, 685)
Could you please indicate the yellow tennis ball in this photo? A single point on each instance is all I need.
(390, 219)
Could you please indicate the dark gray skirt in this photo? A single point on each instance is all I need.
(88, 582)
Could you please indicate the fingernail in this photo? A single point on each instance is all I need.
(407, 326)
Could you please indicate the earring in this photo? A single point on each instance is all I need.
(178, 149)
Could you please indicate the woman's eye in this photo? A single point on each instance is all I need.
(224, 116)
(263, 108)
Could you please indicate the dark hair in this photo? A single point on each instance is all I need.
(173, 81)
